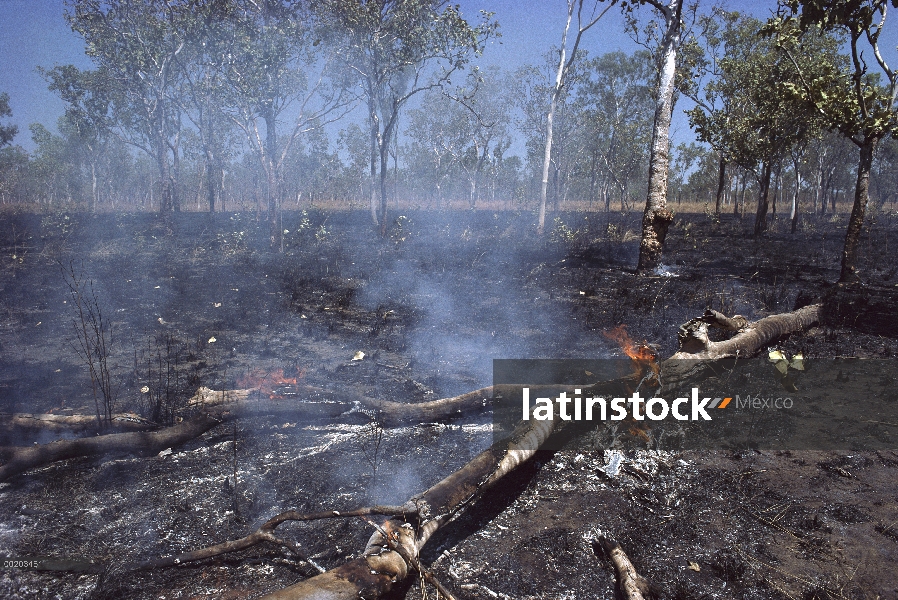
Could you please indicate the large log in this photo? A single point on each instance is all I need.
(29, 457)
(385, 563)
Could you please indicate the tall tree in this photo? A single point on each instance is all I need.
(657, 217)
(87, 114)
(135, 44)
(397, 49)
(272, 73)
(200, 96)
(7, 132)
(617, 106)
(565, 62)
(857, 100)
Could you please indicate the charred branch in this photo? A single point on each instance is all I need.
(26, 458)
(631, 584)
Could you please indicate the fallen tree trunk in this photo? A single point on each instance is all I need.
(387, 412)
(750, 338)
(385, 561)
(698, 354)
(29, 457)
(26, 422)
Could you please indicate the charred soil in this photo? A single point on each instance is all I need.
(418, 315)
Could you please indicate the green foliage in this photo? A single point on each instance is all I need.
(7, 132)
(858, 101)
(393, 50)
(746, 111)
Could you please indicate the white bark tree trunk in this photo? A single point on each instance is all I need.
(556, 92)
(657, 218)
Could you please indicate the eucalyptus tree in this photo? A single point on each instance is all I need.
(830, 158)
(274, 72)
(754, 123)
(857, 98)
(438, 134)
(87, 116)
(532, 92)
(7, 132)
(13, 160)
(565, 63)
(135, 44)
(616, 102)
(721, 36)
(54, 168)
(656, 218)
(394, 50)
(199, 94)
(461, 135)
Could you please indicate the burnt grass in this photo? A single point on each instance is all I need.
(200, 301)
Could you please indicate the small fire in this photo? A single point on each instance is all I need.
(642, 352)
(268, 382)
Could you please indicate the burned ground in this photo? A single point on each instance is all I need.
(201, 302)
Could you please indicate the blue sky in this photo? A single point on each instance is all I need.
(34, 33)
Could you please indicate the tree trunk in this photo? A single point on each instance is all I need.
(794, 214)
(211, 179)
(374, 123)
(165, 195)
(175, 176)
(95, 192)
(384, 157)
(657, 218)
(547, 152)
(856, 221)
(777, 185)
(763, 192)
(271, 175)
(736, 199)
(29, 457)
(721, 179)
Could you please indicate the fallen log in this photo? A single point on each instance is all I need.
(698, 354)
(30, 457)
(19, 423)
(386, 559)
(631, 584)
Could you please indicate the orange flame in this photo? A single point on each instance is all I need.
(640, 433)
(642, 352)
(268, 381)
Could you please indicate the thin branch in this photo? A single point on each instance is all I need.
(265, 533)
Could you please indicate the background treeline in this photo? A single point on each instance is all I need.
(243, 105)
